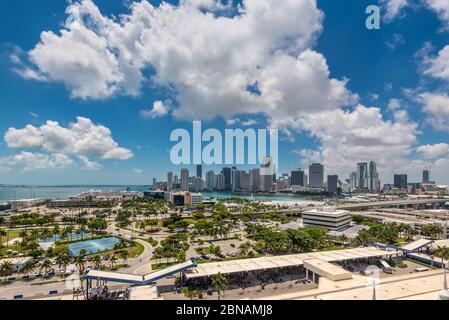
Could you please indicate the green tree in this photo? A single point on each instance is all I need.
(124, 254)
(97, 262)
(27, 268)
(45, 265)
(220, 284)
(6, 269)
(63, 260)
(443, 253)
(80, 262)
(190, 293)
(2, 234)
(113, 260)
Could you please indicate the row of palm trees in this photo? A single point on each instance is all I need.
(63, 260)
(219, 283)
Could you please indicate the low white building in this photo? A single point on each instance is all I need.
(17, 263)
(196, 198)
(327, 217)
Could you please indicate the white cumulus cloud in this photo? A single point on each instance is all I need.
(160, 109)
(32, 161)
(433, 151)
(436, 106)
(81, 138)
(210, 52)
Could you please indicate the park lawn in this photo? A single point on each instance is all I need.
(136, 250)
(12, 234)
(159, 266)
(332, 248)
(153, 242)
(3, 250)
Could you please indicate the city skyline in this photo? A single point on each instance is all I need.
(315, 178)
(108, 120)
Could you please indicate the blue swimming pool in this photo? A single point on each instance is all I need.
(93, 246)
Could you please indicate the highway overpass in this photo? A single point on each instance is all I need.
(417, 204)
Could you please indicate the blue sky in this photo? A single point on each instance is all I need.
(356, 95)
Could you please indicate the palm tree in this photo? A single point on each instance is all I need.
(443, 253)
(97, 262)
(181, 256)
(45, 265)
(124, 255)
(190, 293)
(220, 284)
(80, 263)
(113, 260)
(63, 260)
(2, 234)
(27, 268)
(6, 269)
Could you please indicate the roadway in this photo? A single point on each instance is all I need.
(367, 205)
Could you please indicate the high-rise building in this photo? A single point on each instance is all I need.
(236, 180)
(400, 181)
(362, 175)
(199, 171)
(255, 179)
(426, 176)
(176, 179)
(197, 184)
(332, 184)
(316, 176)
(227, 172)
(170, 181)
(297, 178)
(211, 180)
(154, 184)
(266, 175)
(373, 184)
(245, 181)
(353, 180)
(185, 179)
(220, 182)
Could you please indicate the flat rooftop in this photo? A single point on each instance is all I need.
(418, 244)
(425, 285)
(18, 260)
(143, 293)
(294, 260)
(327, 269)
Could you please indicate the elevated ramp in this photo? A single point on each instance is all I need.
(416, 245)
(327, 269)
(111, 276)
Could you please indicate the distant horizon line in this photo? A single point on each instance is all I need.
(75, 185)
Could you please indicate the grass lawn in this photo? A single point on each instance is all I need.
(153, 242)
(159, 266)
(136, 250)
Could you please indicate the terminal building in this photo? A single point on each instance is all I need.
(327, 217)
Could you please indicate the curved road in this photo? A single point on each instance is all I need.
(142, 264)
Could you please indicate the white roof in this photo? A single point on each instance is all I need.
(264, 263)
(115, 276)
(143, 293)
(15, 261)
(418, 244)
(327, 269)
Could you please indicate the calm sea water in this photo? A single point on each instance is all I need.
(8, 193)
(57, 192)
